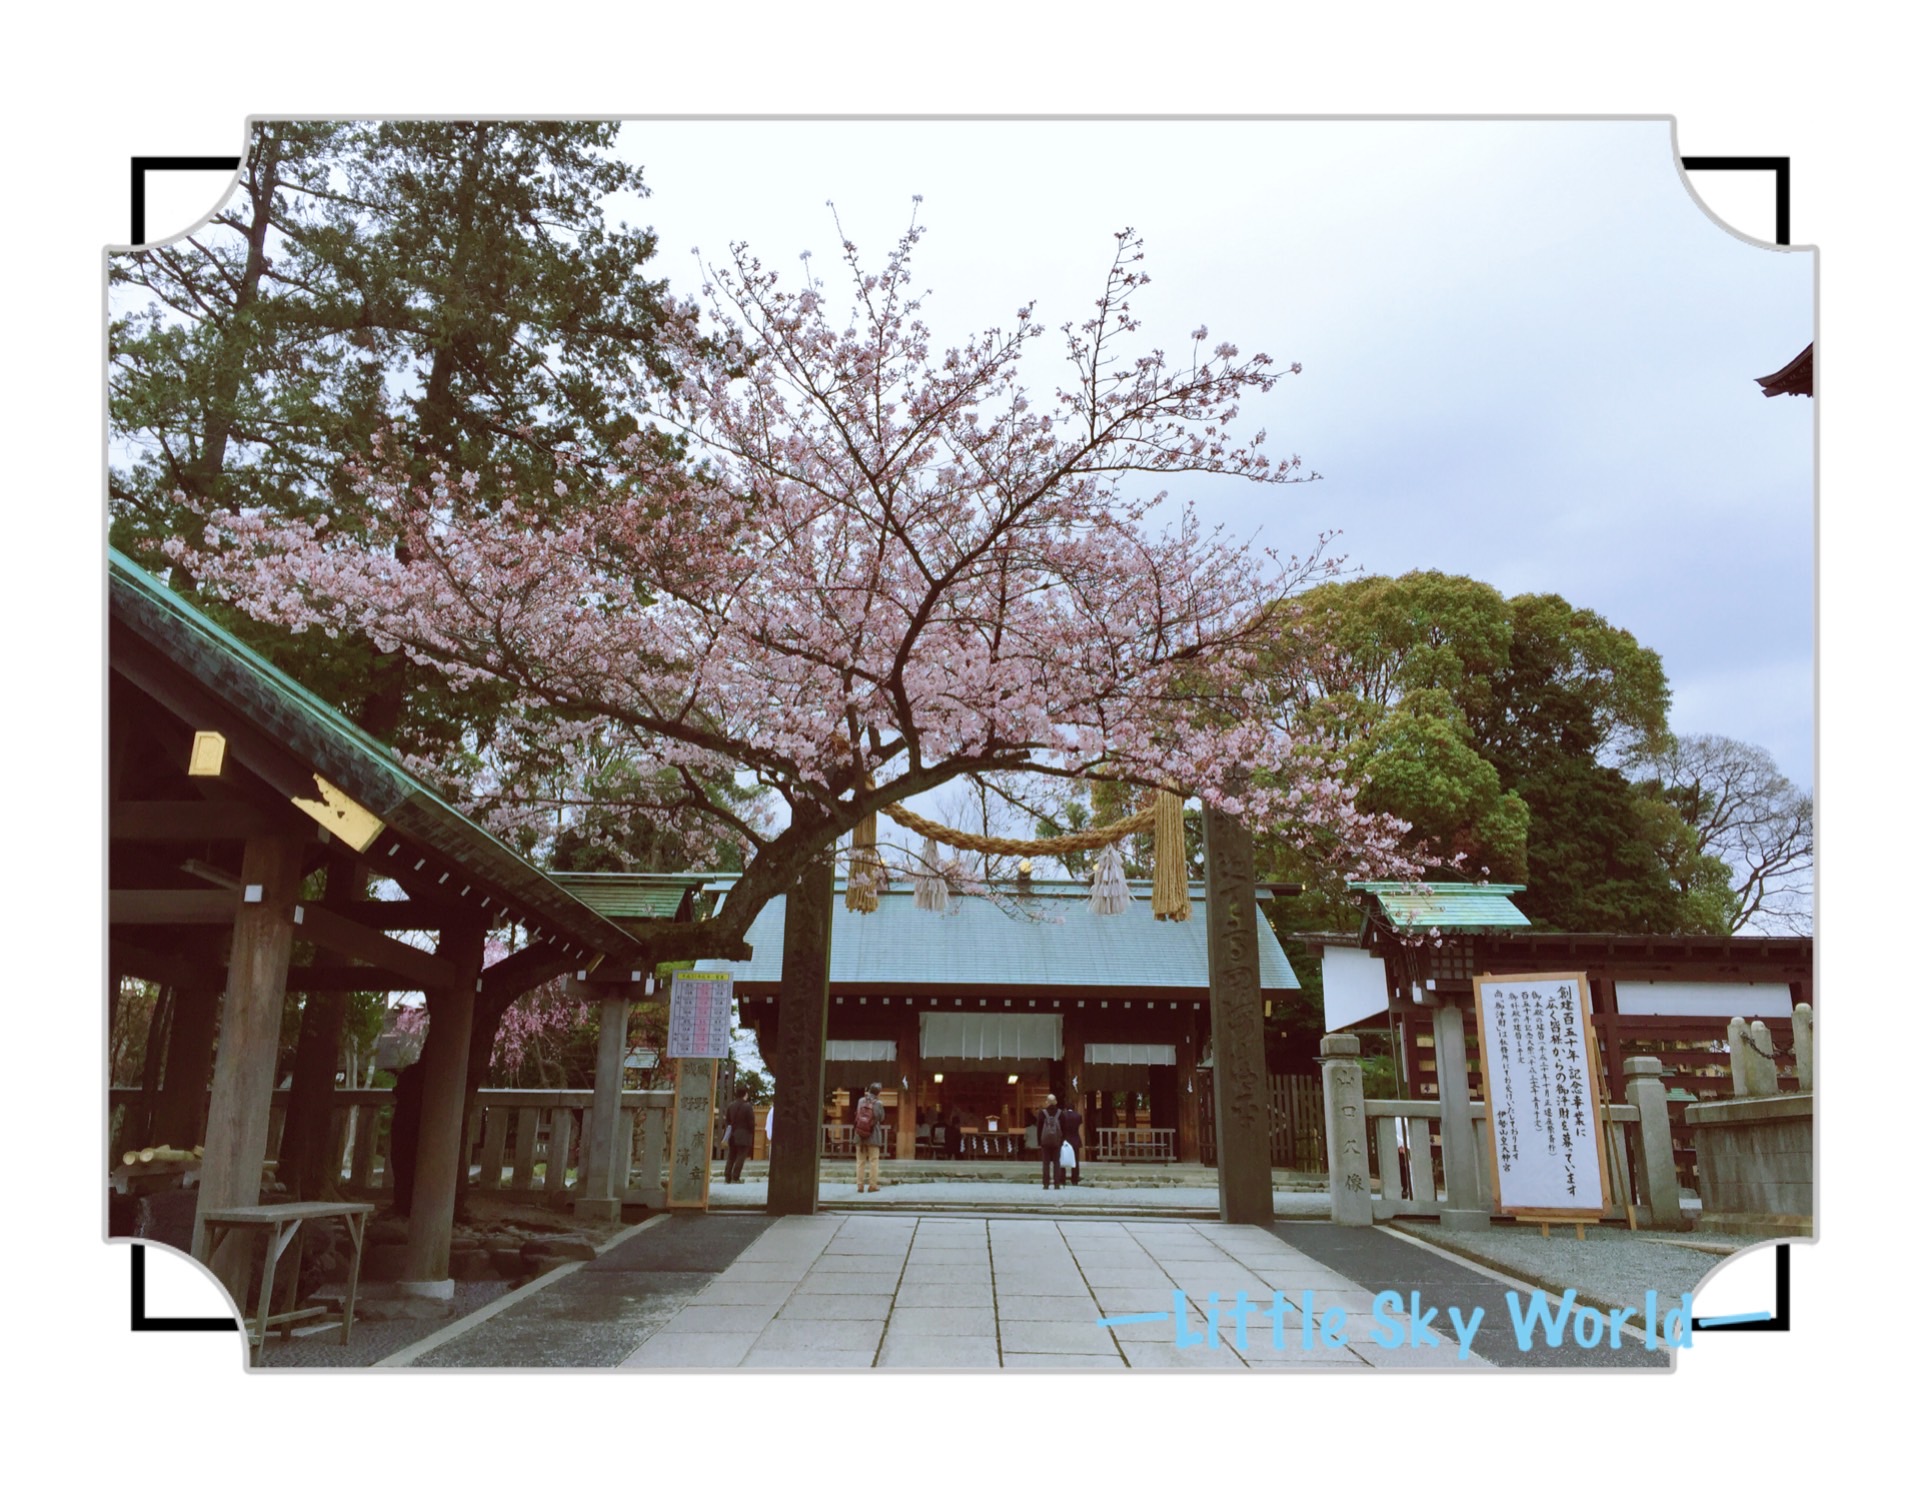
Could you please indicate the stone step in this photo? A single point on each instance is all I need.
(1110, 1175)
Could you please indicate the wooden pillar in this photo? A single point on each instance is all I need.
(181, 1105)
(605, 1180)
(1073, 1058)
(906, 1044)
(243, 1074)
(1459, 1152)
(793, 1166)
(441, 1155)
(1242, 1141)
(1186, 1059)
(308, 1166)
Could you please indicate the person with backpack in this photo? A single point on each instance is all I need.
(1070, 1126)
(866, 1141)
(1052, 1134)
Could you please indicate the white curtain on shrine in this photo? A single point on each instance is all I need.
(990, 1036)
(1129, 1054)
(860, 1050)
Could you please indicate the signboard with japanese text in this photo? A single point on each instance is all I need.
(690, 1133)
(700, 1015)
(1543, 1112)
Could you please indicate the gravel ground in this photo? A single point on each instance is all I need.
(373, 1341)
(1611, 1267)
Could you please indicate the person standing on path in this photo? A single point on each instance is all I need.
(1070, 1137)
(739, 1133)
(866, 1141)
(1051, 1136)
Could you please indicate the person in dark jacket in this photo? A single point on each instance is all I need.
(739, 1133)
(1070, 1133)
(1051, 1135)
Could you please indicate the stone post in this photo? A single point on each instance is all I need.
(793, 1164)
(1750, 1053)
(1802, 1046)
(1653, 1146)
(1463, 1208)
(1243, 1140)
(599, 1193)
(242, 1095)
(441, 1154)
(1349, 1185)
(654, 1113)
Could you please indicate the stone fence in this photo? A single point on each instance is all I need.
(520, 1141)
(1755, 1151)
(1370, 1181)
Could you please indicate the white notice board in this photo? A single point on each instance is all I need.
(1543, 1116)
(700, 1015)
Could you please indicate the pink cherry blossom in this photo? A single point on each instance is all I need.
(884, 566)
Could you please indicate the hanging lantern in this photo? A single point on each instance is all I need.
(1110, 894)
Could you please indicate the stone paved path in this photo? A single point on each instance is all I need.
(1029, 1197)
(951, 1292)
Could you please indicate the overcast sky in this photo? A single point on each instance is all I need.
(1528, 353)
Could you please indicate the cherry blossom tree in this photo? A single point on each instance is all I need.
(887, 566)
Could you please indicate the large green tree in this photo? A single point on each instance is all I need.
(1500, 730)
(451, 287)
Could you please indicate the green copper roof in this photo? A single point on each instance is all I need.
(1051, 939)
(632, 896)
(1410, 906)
(341, 751)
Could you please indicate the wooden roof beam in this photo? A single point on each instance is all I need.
(165, 968)
(195, 821)
(171, 906)
(335, 932)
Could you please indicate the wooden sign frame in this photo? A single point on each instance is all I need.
(690, 1077)
(1596, 1125)
(721, 1007)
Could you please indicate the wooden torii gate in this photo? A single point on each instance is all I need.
(1241, 1115)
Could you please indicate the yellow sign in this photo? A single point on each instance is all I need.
(341, 815)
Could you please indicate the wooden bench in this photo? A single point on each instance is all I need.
(280, 1223)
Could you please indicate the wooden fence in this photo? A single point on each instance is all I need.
(1296, 1122)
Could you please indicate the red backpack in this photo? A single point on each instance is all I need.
(864, 1115)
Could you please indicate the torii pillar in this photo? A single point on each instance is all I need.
(1242, 1123)
(793, 1161)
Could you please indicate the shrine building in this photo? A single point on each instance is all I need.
(992, 1004)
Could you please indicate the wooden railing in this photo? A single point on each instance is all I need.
(526, 1141)
(1133, 1144)
(997, 1146)
(838, 1139)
